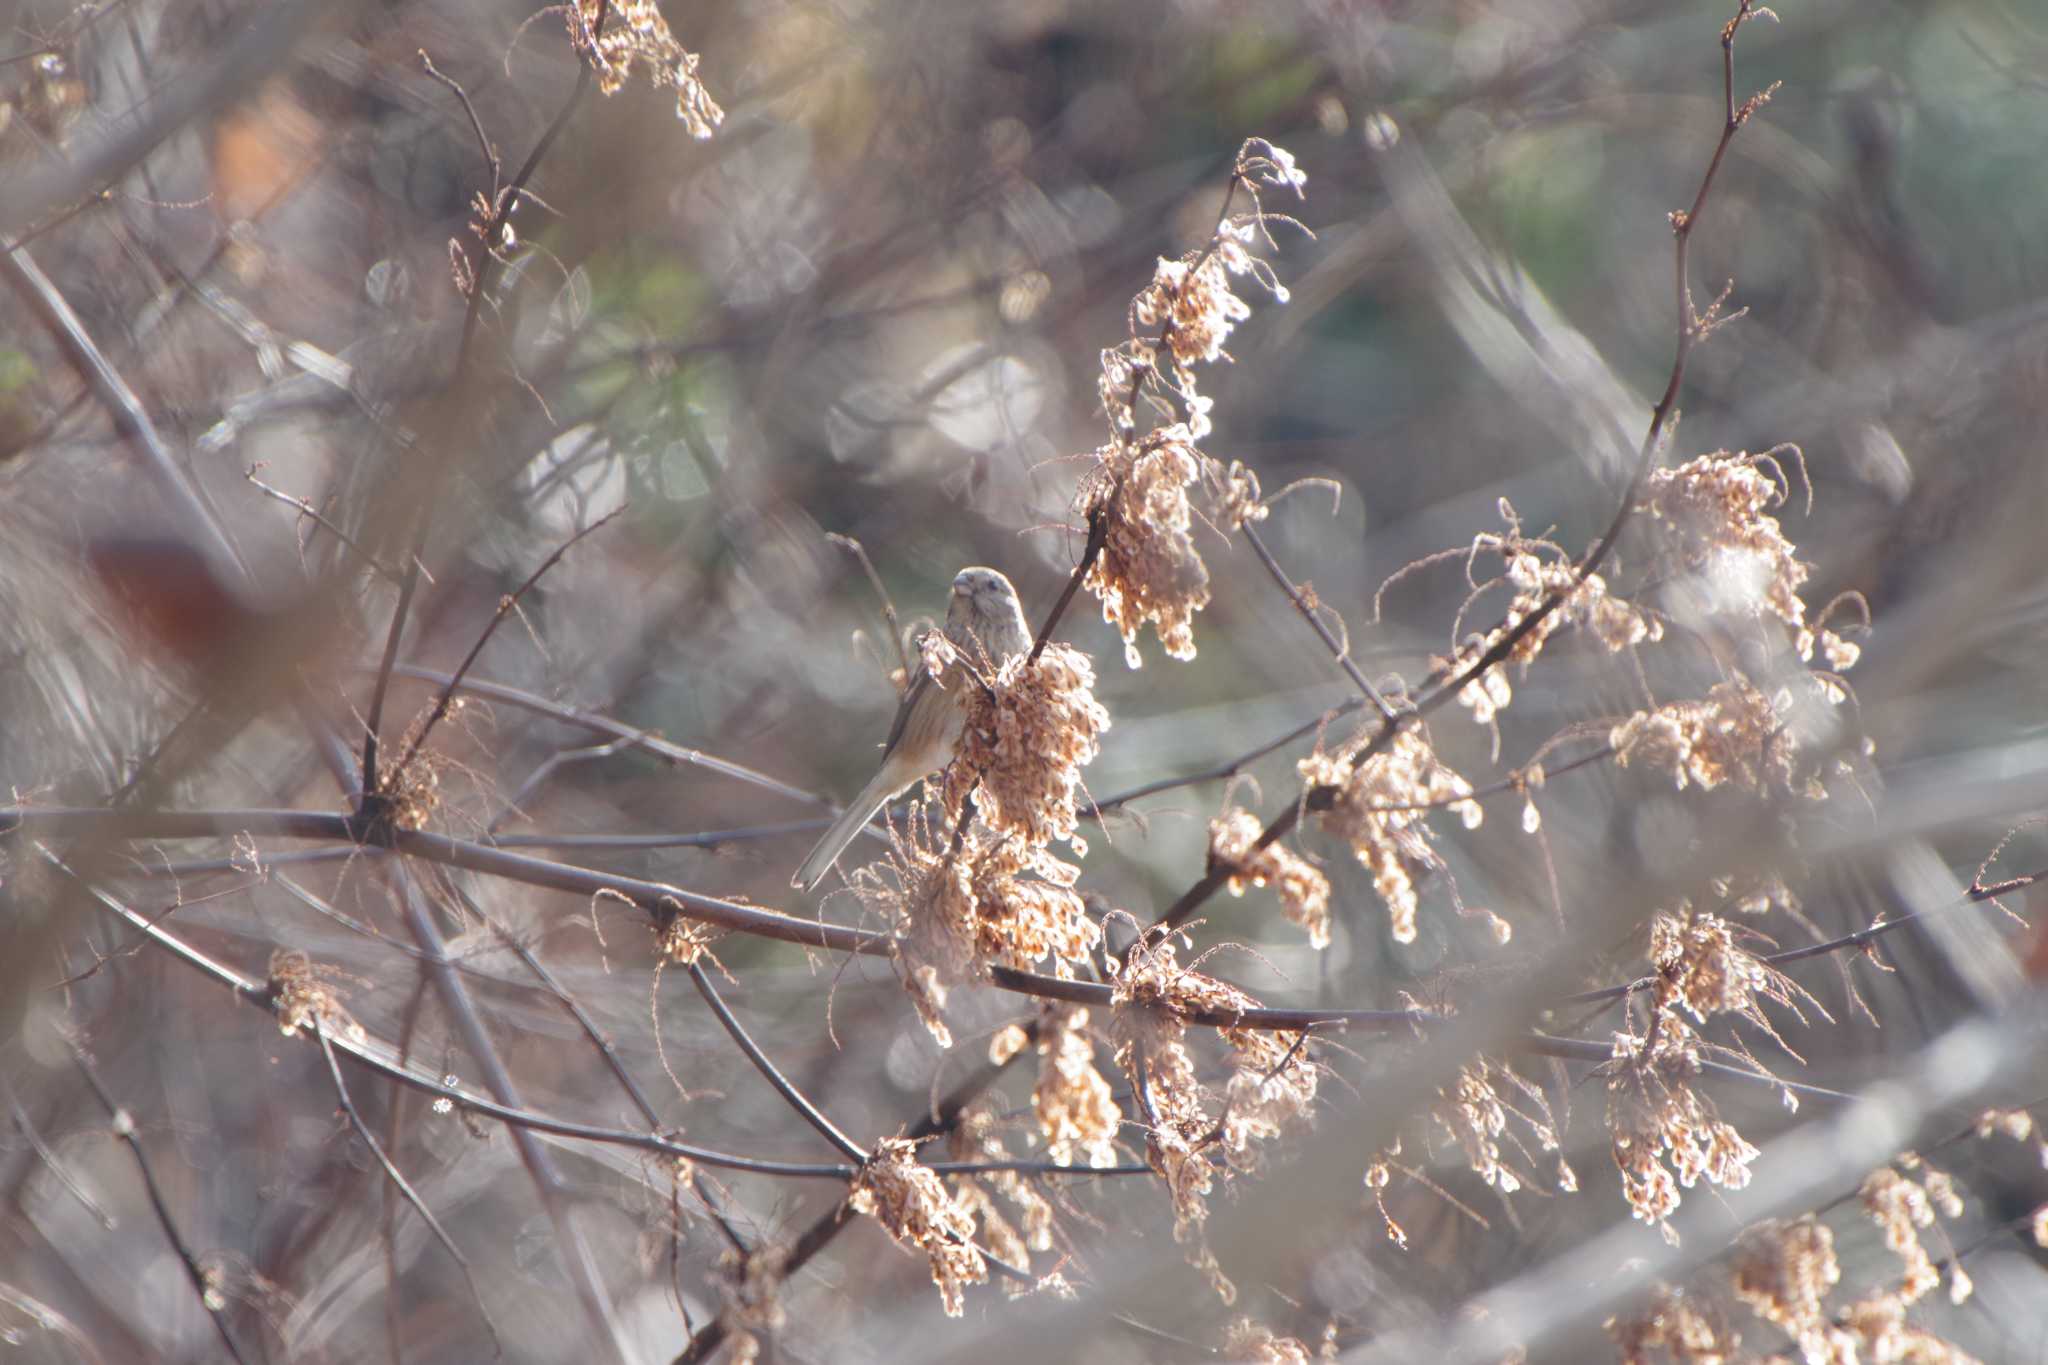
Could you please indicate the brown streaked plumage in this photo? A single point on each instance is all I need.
(985, 622)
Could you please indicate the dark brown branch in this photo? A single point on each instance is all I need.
(797, 1100)
(1340, 650)
(312, 513)
(1098, 535)
(397, 1178)
(503, 201)
(209, 1294)
(506, 605)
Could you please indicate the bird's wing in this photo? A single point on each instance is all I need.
(920, 683)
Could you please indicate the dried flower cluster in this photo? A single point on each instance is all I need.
(1148, 570)
(614, 34)
(1785, 1273)
(908, 1200)
(411, 787)
(1272, 1086)
(1656, 1114)
(1475, 1116)
(1247, 1340)
(975, 1138)
(1271, 1089)
(1028, 734)
(1901, 1206)
(1714, 512)
(1686, 1331)
(1379, 805)
(1700, 968)
(1304, 891)
(957, 912)
(1735, 736)
(2017, 1125)
(1077, 1111)
(1538, 570)
(302, 999)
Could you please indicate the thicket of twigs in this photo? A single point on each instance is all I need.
(1515, 838)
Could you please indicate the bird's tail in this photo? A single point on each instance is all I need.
(843, 831)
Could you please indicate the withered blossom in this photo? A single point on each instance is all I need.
(1028, 734)
(1076, 1108)
(1190, 300)
(1303, 890)
(1877, 1324)
(1700, 967)
(1538, 570)
(1900, 1206)
(975, 1138)
(1149, 571)
(1735, 736)
(1272, 1088)
(634, 31)
(911, 1203)
(1714, 515)
(303, 999)
(1476, 1116)
(1785, 1272)
(1379, 804)
(1246, 1340)
(1273, 1081)
(1677, 1324)
(957, 912)
(1656, 1115)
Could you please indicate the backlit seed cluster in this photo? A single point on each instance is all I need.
(612, 35)
(1029, 733)
(1191, 1141)
(1303, 890)
(909, 1200)
(1149, 570)
(1379, 804)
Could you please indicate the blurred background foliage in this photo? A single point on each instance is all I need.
(872, 306)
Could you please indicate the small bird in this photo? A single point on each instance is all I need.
(985, 622)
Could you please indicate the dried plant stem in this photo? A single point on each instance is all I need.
(506, 605)
(503, 200)
(1339, 650)
(210, 1297)
(797, 1100)
(398, 1180)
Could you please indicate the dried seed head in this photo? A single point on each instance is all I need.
(1379, 805)
(1304, 891)
(1736, 736)
(302, 998)
(911, 1203)
(1785, 1272)
(634, 31)
(957, 912)
(1075, 1106)
(1149, 571)
(1027, 736)
(1656, 1115)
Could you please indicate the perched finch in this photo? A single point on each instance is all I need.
(985, 623)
